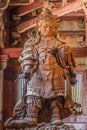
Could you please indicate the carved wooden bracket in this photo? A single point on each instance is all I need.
(23, 10)
(84, 3)
(4, 4)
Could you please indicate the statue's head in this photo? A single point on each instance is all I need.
(47, 23)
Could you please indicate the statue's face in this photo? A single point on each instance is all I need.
(46, 28)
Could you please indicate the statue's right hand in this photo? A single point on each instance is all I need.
(26, 69)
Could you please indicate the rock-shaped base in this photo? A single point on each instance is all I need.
(45, 126)
(48, 126)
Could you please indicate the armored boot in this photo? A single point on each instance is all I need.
(55, 117)
(34, 104)
(31, 120)
(32, 116)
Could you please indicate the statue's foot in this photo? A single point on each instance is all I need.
(7, 122)
(73, 109)
(21, 123)
(31, 122)
(56, 121)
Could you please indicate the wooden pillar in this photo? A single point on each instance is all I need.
(1, 30)
(86, 29)
(84, 3)
(84, 91)
(3, 64)
(1, 99)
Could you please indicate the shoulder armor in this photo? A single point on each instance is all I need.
(29, 42)
(32, 41)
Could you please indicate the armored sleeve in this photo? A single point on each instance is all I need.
(28, 58)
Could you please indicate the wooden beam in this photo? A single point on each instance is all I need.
(15, 52)
(71, 7)
(12, 52)
(26, 25)
(73, 33)
(79, 52)
(73, 16)
(20, 2)
(20, 11)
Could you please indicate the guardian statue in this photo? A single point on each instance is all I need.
(48, 66)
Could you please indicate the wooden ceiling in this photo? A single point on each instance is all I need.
(29, 13)
(19, 16)
(23, 8)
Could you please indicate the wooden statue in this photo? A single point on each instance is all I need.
(46, 62)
